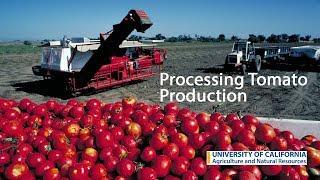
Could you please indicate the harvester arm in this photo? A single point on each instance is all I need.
(135, 19)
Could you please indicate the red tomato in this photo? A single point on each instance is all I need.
(216, 116)
(78, 171)
(246, 137)
(90, 154)
(212, 127)
(52, 174)
(180, 139)
(4, 158)
(126, 168)
(246, 175)
(288, 136)
(158, 141)
(98, 171)
(147, 173)
(237, 126)
(250, 119)
(35, 159)
(43, 167)
(189, 175)
(265, 133)
(271, 170)
(279, 144)
(190, 126)
(188, 152)
(212, 174)
(54, 155)
(111, 163)
(134, 129)
(198, 165)
(148, 154)
(180, 165)
(162, 164)
(16, 171)
(232, 117)
(104, 139)
(171, 150)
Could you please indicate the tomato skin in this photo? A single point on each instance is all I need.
(265, 133)
(134, 129)
(43, 167)
(162, 164)
(111, 163)
(237, 126)
(4, 158)
(18, 158)
(189, 175)
(90, 154)
(231, 117)
(198, 166)
(158, 141)
(212, 174)
(197, 140)
(126, 168)
(246, 137)
(52, 174)
(148, 154)
(279, 144)
(35, 159)
(246, 175)
(98, 171)
(190, 126)
(188, 152)
(171, 107)
(271, 170)
(104, 139)
(117, 133)
(78, 171)
(16, 171)
(216, 116)
(180, 139)
(250, 119)
(147, 173)
(171, 150)
(169, 120)
(212, 127)
(12, 128)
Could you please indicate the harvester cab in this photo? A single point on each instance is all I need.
(243, 57)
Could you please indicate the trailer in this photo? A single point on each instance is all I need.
(305, 54)
(83, 64)
(272, 53)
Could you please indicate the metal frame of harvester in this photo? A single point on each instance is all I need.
(110, 62)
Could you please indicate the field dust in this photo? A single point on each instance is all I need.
(205, 59)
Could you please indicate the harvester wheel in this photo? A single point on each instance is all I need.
(256, 65)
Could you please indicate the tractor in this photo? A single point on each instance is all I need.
(243, 57)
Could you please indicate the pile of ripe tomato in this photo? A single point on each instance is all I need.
(135, 140)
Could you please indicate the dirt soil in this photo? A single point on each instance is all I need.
(17, 82)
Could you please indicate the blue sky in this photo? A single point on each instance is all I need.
(40, 19)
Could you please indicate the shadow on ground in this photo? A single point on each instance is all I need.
(292, 67)
(56, 89)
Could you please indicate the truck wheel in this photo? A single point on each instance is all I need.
(256, 65)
